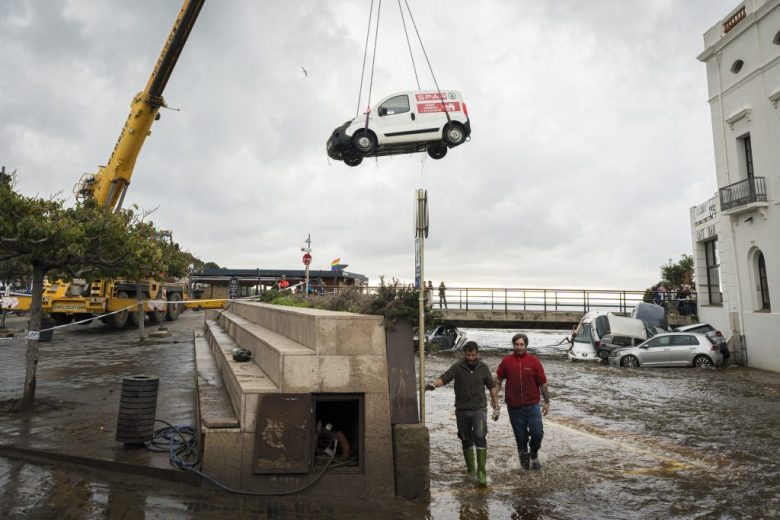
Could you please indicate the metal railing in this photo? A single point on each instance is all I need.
(504, 299)
(752, 189)
(546, 300)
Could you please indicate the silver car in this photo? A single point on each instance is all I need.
(673, 349)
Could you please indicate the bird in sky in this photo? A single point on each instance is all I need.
(304, 72)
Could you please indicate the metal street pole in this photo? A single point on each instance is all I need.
(307, 249)
(421, 232)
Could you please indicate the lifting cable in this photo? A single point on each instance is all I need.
(409, 44)
(373, 62)
(365, 54)
(438, 90)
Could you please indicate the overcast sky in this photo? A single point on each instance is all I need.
(591, 134)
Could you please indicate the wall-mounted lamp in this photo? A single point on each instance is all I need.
(749, 219)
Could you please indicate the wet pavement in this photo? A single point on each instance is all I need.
(619, 443)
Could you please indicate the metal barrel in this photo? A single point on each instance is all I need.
(137, 408)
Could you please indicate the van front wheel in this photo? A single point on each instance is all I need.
(364, 141)
(437, 151)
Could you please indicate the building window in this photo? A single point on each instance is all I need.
(712, 261)
(737, 66)
(763, 285)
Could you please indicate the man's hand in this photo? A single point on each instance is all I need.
(545, 408)
(430, 386)
(496, 413)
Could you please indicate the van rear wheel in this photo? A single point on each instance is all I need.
(454, 134)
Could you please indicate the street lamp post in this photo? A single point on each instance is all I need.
(421, 233)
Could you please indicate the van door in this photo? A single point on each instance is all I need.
(395, 121)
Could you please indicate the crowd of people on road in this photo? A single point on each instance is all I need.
(526, 396)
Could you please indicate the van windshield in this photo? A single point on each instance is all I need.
(584, 335)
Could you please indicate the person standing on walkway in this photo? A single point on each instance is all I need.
(442, 295)
(525, 381)
(472, 377)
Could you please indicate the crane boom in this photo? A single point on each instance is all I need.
(109, 184)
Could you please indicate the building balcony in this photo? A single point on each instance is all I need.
(743, 195)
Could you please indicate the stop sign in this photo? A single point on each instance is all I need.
(306, 259)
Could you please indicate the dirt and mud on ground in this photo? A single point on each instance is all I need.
(619, 443)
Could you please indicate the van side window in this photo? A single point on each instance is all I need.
(394, 105)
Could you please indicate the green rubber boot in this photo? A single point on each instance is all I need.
(481, 472)
(471, 461)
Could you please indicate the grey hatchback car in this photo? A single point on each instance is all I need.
(673, 349)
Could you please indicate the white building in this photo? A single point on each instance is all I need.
(736, 234)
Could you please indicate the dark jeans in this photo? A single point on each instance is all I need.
(472, 427)
(526, 422)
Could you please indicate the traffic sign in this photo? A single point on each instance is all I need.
(306, 259)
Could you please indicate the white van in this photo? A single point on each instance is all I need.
(405, 122)
(594, 325)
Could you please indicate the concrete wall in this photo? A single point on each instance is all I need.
(302, 351)
(763, 344)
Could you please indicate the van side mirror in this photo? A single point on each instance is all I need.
(382, 111)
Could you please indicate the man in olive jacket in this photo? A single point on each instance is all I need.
(471, 377)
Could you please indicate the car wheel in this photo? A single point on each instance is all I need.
(352, 160)
(454, 134)
(174, 308)
(603, 354)
(364, 141)
(702, 361)
(118, 320)
(629, 362)
(437, 151)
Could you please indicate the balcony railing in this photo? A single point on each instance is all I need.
(752, 189)
(734, 19)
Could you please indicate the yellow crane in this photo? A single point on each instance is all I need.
(79, 299)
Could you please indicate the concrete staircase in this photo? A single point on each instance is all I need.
(294, 351)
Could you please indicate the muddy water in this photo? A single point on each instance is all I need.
(619, 443)
(650, 443)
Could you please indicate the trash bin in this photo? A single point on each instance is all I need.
(137, 409)
(46, 335)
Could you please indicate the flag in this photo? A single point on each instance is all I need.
(336, 265)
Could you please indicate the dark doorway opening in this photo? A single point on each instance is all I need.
(339, 417)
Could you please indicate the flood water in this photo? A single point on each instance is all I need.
(619, 443)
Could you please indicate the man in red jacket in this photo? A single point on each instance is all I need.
(525, 381)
